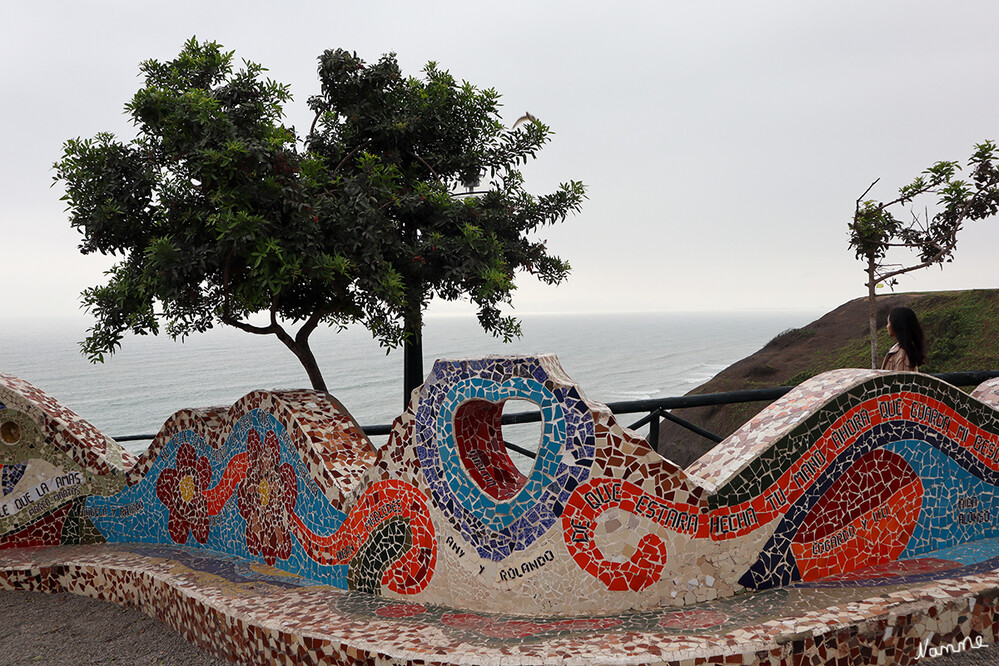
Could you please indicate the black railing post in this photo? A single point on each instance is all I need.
(654, 429)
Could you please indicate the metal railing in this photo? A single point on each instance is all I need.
(656, 409)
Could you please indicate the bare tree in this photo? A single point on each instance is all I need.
(875, 230)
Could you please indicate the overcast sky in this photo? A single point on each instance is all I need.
(723, 144)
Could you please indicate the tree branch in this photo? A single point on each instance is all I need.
(310, 325)
(344, 160)
(226, 315)
(861, 197)
(272, 329)
(929, 187)
(910, 245)
(926, 262)
(249, 328)
(312, 127)
(430, 168)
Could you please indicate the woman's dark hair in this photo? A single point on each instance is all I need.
(909, 334)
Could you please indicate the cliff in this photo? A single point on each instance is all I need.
(962, 332)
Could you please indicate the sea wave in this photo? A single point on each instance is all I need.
(612, 357)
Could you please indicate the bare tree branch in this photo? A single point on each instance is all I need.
(870, 187)
(430, 168)
(249, 328)
(344, 160)
(315, 119)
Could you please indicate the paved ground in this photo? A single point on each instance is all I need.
(64, 628)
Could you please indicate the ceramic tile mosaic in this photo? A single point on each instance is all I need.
(51, 461)
(275, 522)
(250, 613)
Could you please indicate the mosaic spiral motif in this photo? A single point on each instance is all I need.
(857, 477)
(892, 475)
(505, 520)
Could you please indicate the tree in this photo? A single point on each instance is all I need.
(218, 212)
(409, 156)
(875, 231)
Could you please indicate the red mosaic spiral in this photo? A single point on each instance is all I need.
(383, 501)
(645, 566)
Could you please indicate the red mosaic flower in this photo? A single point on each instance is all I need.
(267, 496)
(181, 489)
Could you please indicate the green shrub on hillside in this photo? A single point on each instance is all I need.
(961, 334)
(788, 337)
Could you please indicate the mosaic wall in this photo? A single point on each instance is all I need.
(855, 475)
(51, 461)
(279, 477)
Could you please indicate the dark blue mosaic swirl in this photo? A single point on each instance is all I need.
(776, 566)
(496, 529)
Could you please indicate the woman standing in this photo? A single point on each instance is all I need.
(909, 350)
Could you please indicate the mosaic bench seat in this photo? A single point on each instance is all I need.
(856, 479)
(249, 613)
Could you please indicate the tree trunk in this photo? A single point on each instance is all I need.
(412, 360)
(299, 346)
(872, 310)
(308, 360)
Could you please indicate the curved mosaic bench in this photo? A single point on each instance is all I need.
(532, 543)
(853, 476)
(277, 477)
(855, 473)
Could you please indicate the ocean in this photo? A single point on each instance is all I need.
(612, 357)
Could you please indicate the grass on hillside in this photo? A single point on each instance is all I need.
(961, 330)
(962, 333)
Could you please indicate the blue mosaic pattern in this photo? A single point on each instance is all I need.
(136, 514)
(496, 529)
(10, 476)
(958, 507)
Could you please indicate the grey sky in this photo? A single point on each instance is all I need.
(723, 143)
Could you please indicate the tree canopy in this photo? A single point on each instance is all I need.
(876, 234)
(404, 189)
